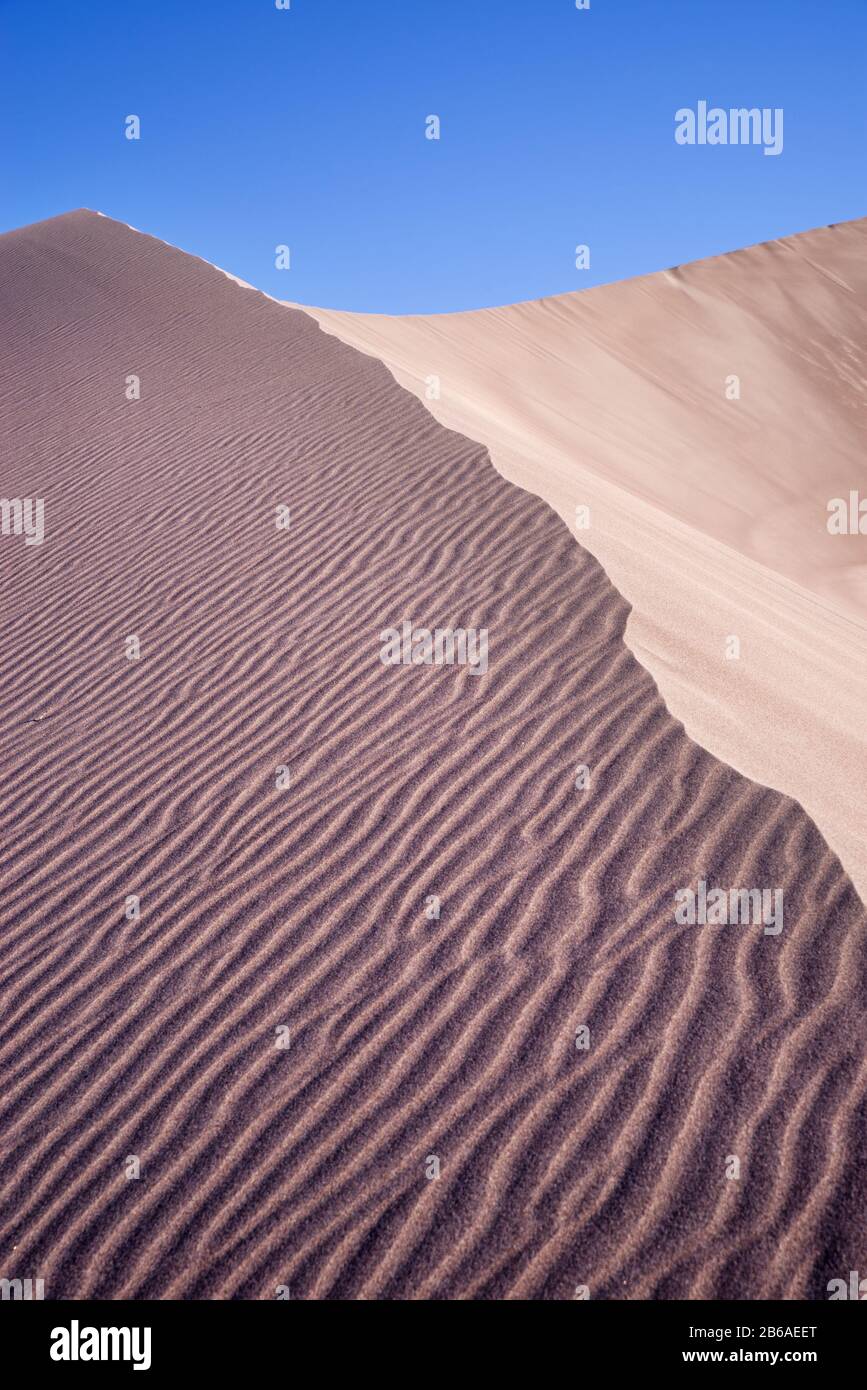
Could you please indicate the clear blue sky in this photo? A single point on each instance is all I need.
(306, 127)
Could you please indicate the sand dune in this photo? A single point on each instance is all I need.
(709, 514)
(302, 907)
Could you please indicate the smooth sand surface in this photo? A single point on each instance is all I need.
(264, 908)
(709, 514)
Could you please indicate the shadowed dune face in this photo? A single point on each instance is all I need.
(302, 907)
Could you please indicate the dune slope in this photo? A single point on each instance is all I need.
(244, 1086)
(706, 415)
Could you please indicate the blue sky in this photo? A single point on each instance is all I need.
(306, 127)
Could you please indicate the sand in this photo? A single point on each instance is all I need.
(296, 913)
(709, 513)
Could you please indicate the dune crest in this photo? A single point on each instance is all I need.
(708, 509)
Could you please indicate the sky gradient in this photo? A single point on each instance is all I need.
(307, 128)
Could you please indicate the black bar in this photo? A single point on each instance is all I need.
(245, 1337)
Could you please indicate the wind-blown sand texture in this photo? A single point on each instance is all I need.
(303, 907)
(709, 514)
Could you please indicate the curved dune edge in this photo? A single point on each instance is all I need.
(708, 514)
(265, 908)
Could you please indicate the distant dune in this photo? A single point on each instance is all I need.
(708, 497)
(285, 1071)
